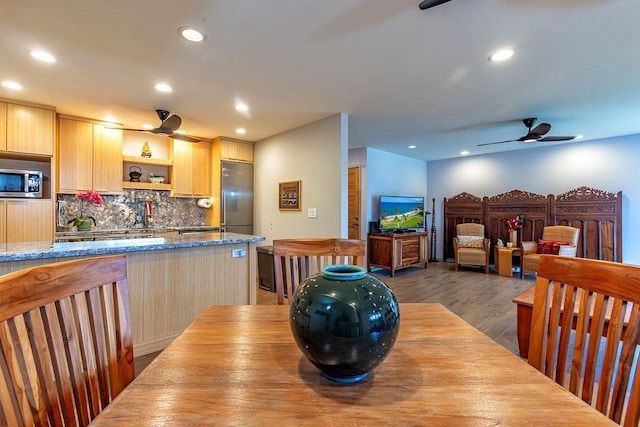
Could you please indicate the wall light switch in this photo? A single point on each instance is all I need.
(312, 213)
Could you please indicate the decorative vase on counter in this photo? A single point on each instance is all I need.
(84, 225)
(345, 321)
(513, 238)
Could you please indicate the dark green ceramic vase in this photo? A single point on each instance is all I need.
(345, 321)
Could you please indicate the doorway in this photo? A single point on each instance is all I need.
(354, 202)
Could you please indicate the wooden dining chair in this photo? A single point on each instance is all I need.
(66, 348)
(296, 259)
(593, 352)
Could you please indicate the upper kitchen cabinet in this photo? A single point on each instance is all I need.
(191, 169)
(89, 156)
(234, 149)
(26, 129)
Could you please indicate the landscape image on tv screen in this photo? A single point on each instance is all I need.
(398, 212)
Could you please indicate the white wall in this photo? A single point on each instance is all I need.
(385, 173)
(608, 164)
(316, 154)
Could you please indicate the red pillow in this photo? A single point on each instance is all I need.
(550, 246)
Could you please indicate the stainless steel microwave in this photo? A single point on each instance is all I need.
(20, 183)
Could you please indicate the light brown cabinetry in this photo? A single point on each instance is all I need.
(191, 174)
(235, 149)
(23, 220)
(26, 129)
(393, 251)
(89, 156)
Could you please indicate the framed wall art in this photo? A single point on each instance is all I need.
(289, 195)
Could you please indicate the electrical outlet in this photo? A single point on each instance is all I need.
(238, 253)
(312, 213)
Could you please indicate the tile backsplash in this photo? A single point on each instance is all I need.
(120, 211)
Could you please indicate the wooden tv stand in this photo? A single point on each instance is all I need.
(393, 251)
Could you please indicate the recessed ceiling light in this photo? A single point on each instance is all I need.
(163, 87)
(43, 56)
(464, 153)
(241, 131)
(242, 107)
(147, 126)
(411, 146)
(9, 84)
(180, 131)
(501, 55)
(191, 34)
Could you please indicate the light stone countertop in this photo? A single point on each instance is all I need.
(43, 250)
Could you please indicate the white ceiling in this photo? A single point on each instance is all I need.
(403, 75)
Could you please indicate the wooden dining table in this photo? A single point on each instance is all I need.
(239, 365)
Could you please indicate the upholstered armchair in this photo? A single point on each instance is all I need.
(556, 240)
(470, 246)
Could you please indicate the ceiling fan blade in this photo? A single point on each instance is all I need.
(426, 4)
(557, 138)
(185, 138)
(541, 129)
(498, 142)
(171, 124)
(132, 129)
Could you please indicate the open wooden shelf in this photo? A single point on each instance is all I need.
(147, 161)
(146, 186)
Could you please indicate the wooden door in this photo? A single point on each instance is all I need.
(75, 154)
(29, 220)
(3, 125)
(29, 130)
(107, 159)
(354, 202)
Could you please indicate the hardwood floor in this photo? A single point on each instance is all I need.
(483, 300)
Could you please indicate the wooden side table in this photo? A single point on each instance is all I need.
(504, 260)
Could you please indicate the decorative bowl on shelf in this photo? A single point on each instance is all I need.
(156, 179)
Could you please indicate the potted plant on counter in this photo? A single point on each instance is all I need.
(81, 222)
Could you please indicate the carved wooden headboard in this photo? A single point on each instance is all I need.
(597, 213)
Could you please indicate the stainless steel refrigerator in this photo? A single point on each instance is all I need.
(237, 197)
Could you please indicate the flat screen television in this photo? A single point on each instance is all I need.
(401, 213)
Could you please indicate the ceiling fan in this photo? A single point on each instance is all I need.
(534, 135)
(168, 127)
(426, 4)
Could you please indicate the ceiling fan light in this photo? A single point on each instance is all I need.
(530, 140)
(180, 131)
(501, 55)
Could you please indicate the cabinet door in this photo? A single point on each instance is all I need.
(245, 152)
(29, 220)
(107, 159)
(3, 125)
(29, 130)
(201, 169)
(228, 149)
(3, 222)
(182, 178)
(75, 153)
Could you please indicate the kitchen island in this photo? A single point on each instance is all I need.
(172, 276)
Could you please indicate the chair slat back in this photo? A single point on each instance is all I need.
(296, 259)
(66, 349)
(594, 351)
(470, 229)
